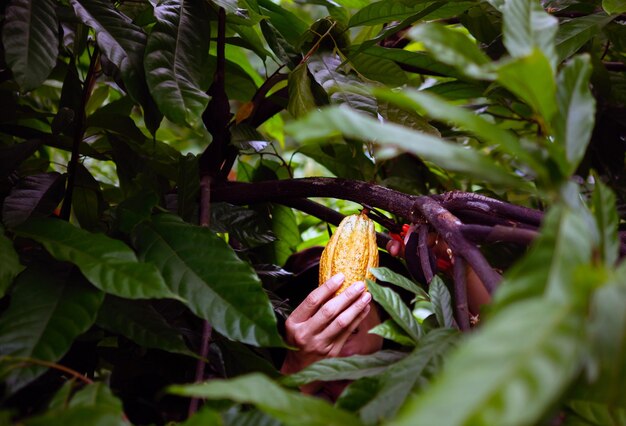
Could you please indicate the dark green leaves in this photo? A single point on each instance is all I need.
(29, 36)
(395, 307)
(176, 53)
(290, 407)
(442, 303)
(208, 276)
(9, 263)
(605, 213)
(107, 263)
(509, 372)
(48, 310)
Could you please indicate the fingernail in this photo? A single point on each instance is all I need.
(338, 278)
(366, 298)
(359, 286)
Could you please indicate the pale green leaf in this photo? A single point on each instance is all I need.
(613, 7)
(604, 208)
(509, 372)
(442, 303)
(290, 407)
(30, 39)
(390, 330)
(107, 263)
(48, 310)
(203, 271)
(391, 302)
(330, 122)
(573, 123)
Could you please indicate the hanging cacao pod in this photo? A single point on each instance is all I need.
(351, 250)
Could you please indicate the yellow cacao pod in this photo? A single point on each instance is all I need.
(351, 250)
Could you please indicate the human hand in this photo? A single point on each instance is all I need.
(320, 326)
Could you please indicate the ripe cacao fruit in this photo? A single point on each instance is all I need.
(351, 250)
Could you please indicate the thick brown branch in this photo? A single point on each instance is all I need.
(498, 233)
(461, 309)
(424, 255)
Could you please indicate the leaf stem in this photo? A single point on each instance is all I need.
(27, 360)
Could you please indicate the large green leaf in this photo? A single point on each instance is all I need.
(539, 91)
(508, 373)
(382, 12)
(391, 302)
(341, 159)
(87, 202)
(301, 98)
(575, 117)
(382, 70)
(564, 244)
(9, 263)
(290, 407)
(412, 61)
(285, 227)
(573, 34)
(176, 53)
(387, 275)
(442, 303)
(453, 48)
(108, 264)
(439, 109)
(204, 271)
(390, 330)
(141, 323)
(392, 386)
(288, 25)
(48, 310)
(346, 368)
(34, 195)
(526, 27)
(603, 205)
(614, 6)
(30, 39)
(334, 121)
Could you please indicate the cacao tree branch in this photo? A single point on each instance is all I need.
(460, 294)
(424, 255)
(498, 233)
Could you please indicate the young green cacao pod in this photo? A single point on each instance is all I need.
(351, 250)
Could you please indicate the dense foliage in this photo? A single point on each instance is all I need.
(155, 163)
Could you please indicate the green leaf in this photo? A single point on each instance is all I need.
(390, 330)
(87, 203)
(176, 54)
(326, 70)
(528, 27)
(34, 195)
(30, 39)
(205, 416)
(9, 263)
(410, 119)
(288, 25)
(613, 7)
(97, 395)
(301, 98)
(442, 303)
(48, 310)
(440, 110)
(452, 48)
(573, 34)
(539, 91)
(134, 210)
(245, 225)
(592, 413)
(108, 264)
(213, 282)
(397, 310)
(382, 70)
(341, 159)
(285, 227)
(573, 123)
(414, 61)
(603, 206)
(397, 381)
(509, 372)
(13, 155)
(331, 122)
(382, 12)
(141, 323)
(387, 275)
(550, 266)
(346, 368)
(290, 407)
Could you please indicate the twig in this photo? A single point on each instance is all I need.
(79, 132)
(424, 255)
(47, 364)
(460, 294)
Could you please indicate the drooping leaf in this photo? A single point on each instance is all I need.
(395, 383)
(244, 224)
(564, 243)
(301, 98)
(30, 39)
(382, 12)
(453, 48)
(87, 202)
(107, 263)
(387, 275)
(341, 159)
(509, 372)
(346, 368)
(141, 323)
(604, 210)
(213, 281)
(613, 7)
(325, 69)
(575, 116)
(573, 34)
(35, 195)
(442, 303)
(290, 407)
(176, 53)
(391, 302)
(288, 24)
(188, 187)
(285, 52)
(9, 263)
(411, 119)
(528, 27)
(13, 155)
(419, 62)
(338, 120)
(285, 228)
(540, 91)
(382, 70)
(390, 330)
(48, 310)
